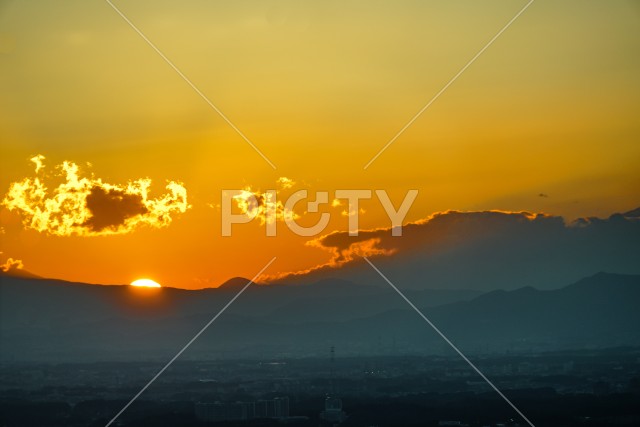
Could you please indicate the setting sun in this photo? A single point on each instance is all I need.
(145, 283)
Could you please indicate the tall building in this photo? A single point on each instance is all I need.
(333, 412)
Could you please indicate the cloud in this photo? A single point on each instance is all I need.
(340, 256)
(353, 212)
(285, 182)
(263, 205)
(481, 250)
(87, 206)
(38, 160)
(11, 265)
(111, 208)
(436, 230)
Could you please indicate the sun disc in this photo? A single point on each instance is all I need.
(145, 283)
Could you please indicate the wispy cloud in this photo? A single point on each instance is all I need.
(265, 206)
(11, 264)
(353, 212)
(87, 206)
(286, 182)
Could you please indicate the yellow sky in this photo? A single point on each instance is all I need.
(551, 107)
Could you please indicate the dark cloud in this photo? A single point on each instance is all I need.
(111, 208)
(484, 250)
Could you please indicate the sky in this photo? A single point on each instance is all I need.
(545, 120)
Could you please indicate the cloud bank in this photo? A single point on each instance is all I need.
(87, 206)
(482, 250)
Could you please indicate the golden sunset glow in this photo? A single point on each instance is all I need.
(110, 158)
(145, 283)
(260, 196)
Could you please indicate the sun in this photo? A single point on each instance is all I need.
(145, 283)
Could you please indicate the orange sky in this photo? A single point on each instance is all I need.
(551, 107)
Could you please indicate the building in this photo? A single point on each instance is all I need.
(222, 411)
(281, 407)
(333, 412)
(235, 411)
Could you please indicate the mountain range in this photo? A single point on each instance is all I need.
(42, 319)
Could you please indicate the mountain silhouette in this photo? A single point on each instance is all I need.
(19, 272)
(56, 320)
(635, 213)
(235, 283)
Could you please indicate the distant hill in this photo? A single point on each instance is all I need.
(56, 320)
(236, 283)
(635, 213)
(18, 272)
